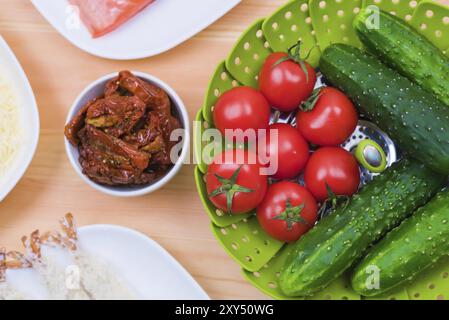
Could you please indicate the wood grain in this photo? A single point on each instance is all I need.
(174, 216)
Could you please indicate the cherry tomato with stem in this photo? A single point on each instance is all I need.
(332, 168)
(286, 80)
(328, 118)
(234, 181)
(288, 211)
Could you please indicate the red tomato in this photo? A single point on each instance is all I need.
(331, 121)
(286, 85)
(234, 182)
(288, 211)
(242, 108)
(288, 154)
(335, 167)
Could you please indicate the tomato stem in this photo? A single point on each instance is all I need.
(333, 201)
(291, 215)
(229, 187)
(294, 54)
(310, 103)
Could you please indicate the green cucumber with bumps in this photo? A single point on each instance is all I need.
(400, 46)
(416, 120)
(340, 239)
(416, 245)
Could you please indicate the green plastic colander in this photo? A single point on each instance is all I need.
(317, 23)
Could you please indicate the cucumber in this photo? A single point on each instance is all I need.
(400, 46)
(416, 120)
(417, 244)
(337, 241)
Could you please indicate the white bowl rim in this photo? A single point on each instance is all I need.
(9, 185)
(144, 190)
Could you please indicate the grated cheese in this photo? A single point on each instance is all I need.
(10, 131)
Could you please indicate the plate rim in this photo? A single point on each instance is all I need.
(154, 245)
(228, 5)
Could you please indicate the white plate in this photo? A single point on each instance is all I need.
(161, 26)
(151, 271)
(29, 116)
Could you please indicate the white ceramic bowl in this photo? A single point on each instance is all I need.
(29, 118)
(95, 90)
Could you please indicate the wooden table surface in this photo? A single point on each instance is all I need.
(173, 216)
